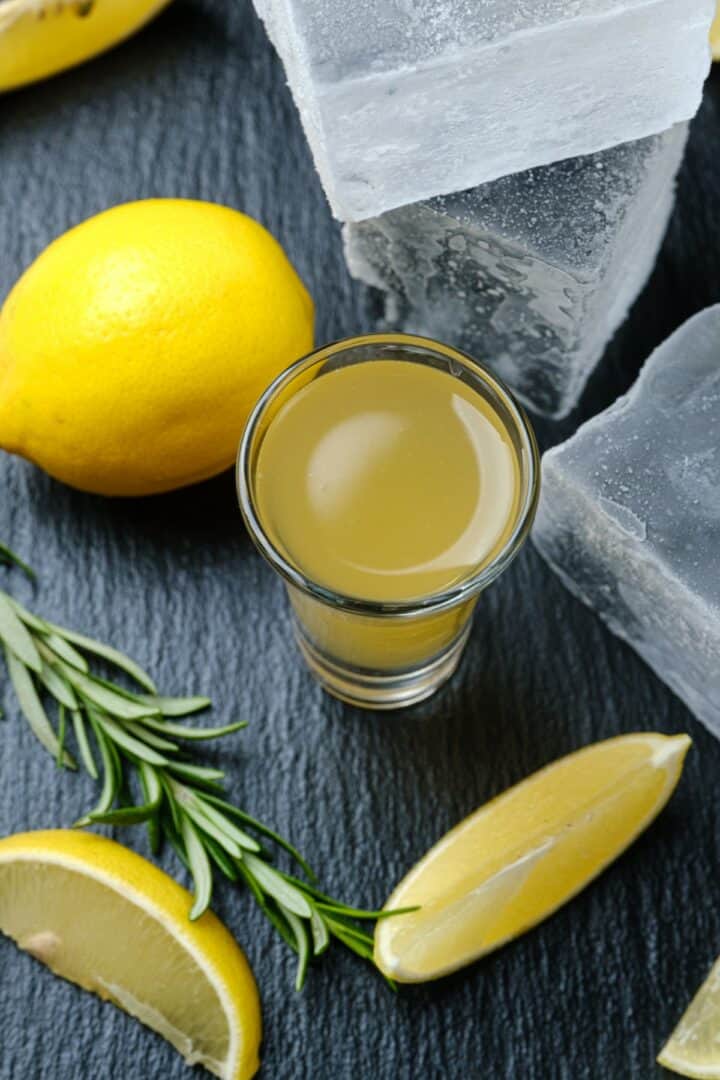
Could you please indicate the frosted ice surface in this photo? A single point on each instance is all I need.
(534, 272)
(371, 36)
(630, 514)
(406, 99)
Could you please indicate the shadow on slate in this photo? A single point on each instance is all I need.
(196, 105)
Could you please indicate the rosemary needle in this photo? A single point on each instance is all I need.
(9, 558)
(120, 733)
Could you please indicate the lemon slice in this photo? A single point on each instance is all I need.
(108, 920)
(517, 859)
(715, 36)
(693, 1049)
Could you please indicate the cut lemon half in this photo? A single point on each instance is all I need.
(715, 35)
(108, 920)
(517, 859)
(693, 1049)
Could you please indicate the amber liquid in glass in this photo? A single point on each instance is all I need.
(387, 481)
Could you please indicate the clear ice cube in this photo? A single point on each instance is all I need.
(629, 516)
(402, 100)
(532, 273)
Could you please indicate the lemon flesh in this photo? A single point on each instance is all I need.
(694, 1046)
(41, 37)
(135, 346)
(517, 859)
(106, 919)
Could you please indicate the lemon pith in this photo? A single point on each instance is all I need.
(162, 322)
(42, 37)
(521, 856)
(188, 981)
(693, 1049)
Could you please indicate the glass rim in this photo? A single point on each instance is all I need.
(447, 598)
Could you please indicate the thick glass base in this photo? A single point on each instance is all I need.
(381, 689)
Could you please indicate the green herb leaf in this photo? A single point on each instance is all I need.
(199, 867)
(175, 706)
(16, 637)
(137, 728)
(33, 710)
(263, 829)
(302, 941)
(64, 651)
(60, 690)
(154, 793)
(201, 774)
(212, 830)
(62, 731)
(111, 701)
(209, 813)
(8, 556)
(34, 622)
(119, 735)
(275, 884)
(222, 860)
(81, 738)
(342, 934)
(338, 926)
(111, 779)
(113, 656)
(124, 815)
(320, 933)
(180, 731)
(360, 913)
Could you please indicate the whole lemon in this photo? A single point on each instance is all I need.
(134, 347)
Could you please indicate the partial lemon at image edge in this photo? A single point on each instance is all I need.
(715, 35)
(60, 894)
(521, 856)
(693, 1049)
(39, 38)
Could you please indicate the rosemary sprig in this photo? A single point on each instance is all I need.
(125, 734)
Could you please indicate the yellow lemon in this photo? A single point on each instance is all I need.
(41, 37)
(516, 860)
(108, 920)
(715, 35)
(133, 348)
(693, 1049)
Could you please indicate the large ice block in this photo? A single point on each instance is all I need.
(630, 514)
(406, 99)
(532, 273)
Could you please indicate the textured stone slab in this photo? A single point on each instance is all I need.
(196, 105)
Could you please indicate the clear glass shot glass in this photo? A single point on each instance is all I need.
(375, 654)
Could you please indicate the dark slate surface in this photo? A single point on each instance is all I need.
(196, 105)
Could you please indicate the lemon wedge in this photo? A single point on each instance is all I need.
(108, 920)
(517, 859)
(693, 1049)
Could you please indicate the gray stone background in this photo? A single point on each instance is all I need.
(196, 105)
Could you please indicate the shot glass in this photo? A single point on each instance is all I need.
(376, 654)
